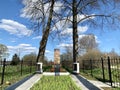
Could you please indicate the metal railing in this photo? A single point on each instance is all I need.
(103, 69)
(12, 73)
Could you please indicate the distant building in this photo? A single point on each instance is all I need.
(56, 56)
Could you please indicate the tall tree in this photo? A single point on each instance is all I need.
(112, 53)
(30, 58)
(78, 12)
(90, 12)
(45, 34)
(41, 12)
(15, 60)
(75, 31)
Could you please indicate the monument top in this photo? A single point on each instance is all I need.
(57, 49)
(57, 56)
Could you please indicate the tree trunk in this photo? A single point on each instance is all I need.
(75, 33)
(45, 36)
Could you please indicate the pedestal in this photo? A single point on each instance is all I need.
(39, 67)
(57, 69)
(76, 68)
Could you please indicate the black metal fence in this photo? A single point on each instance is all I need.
(104, 69)
(12, 73)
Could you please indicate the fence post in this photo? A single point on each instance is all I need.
(83, 65)
(30, 66)
(91, 67)
(21, 66)
(103, 73)
(3, 71)
(109, 70)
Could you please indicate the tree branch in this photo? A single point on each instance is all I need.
(96, 15)
(86, 5)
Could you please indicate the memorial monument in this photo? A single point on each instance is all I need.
(57, 62)
(56, 56)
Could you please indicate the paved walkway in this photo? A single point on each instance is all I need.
(80, 81)
(26, 83)
(85, 84)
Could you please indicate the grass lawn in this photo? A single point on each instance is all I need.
(13, 74)
(55, 83)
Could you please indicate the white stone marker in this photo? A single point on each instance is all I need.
(76, 68)
(39, 67)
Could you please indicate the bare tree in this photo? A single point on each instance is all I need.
(113, 53)
(3, 50)
(45, 34)
(78, 12)
(41, 13)
(90, 12)
(88, 42)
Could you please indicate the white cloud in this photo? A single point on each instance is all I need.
(69, 31)
(13, 39)
(64, 45)
(22, 48)
(62, 25)
(34, 0)
(14, 27)
(37, 37)
(82, 16)
(29, 4)
(82, 29)
(57, 7)
(24, 45)
(82, 35)
(97, 40)
(47, 51)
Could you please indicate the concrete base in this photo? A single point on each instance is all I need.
(39, 67)
(76, 68)
(53, 73)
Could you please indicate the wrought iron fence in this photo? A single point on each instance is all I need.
(104, 69)
(12, 73)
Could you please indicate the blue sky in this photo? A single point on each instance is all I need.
(16, 33)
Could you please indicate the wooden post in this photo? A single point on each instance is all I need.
(3, 71)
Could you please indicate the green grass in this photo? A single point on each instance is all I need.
(55, 83)
(97, 75)
(13, 74)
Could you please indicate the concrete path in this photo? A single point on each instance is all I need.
(99, 84)
(85, 84)
(80, 81)
(26, 83)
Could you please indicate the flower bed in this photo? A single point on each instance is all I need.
(52, 69)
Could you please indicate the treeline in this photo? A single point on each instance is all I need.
(88, 49)
(26, 59)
